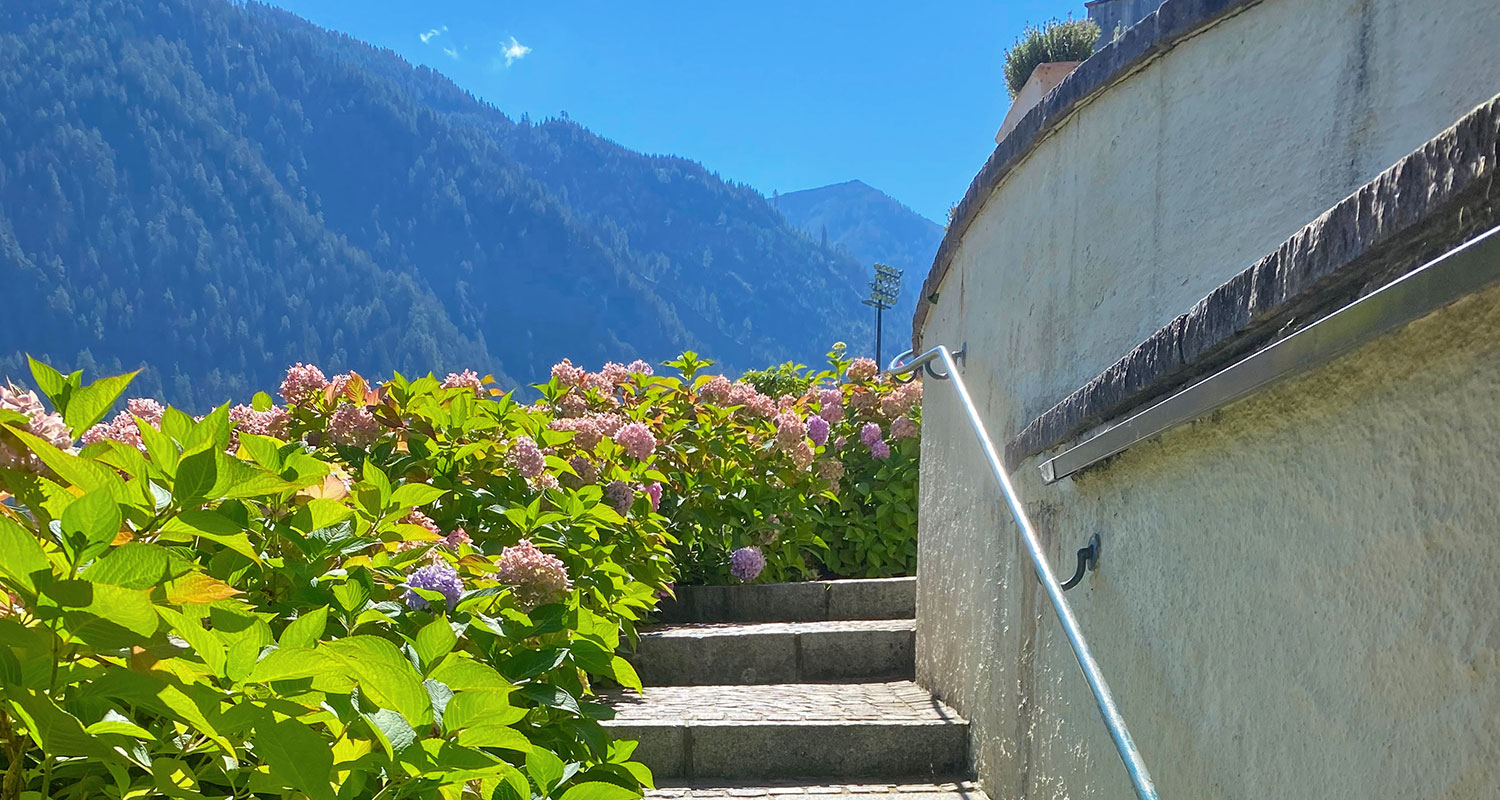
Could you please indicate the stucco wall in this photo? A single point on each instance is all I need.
(1297, 597)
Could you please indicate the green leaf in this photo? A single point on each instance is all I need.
(51, 382)
(291, 663)
(480, 707)
(412, 495)
(211, 525)
(392, 729)
(624, 674)
(460, 673)
(262, 402)
(136, 565)
(435, 640)
(159, 447)
(89, 404)
(494, 735)
(384, 676)
(23, 556)
(54, 730)
(298, 757)
(377, 479)
(599, 790)
(320, 513)
(545, 768)
(89, 525)
(81, 472)
(544, 694)
(196, 476)
(305, 630)
(204, 642)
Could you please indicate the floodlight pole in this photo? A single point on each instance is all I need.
(884, 290)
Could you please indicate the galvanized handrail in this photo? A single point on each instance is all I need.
(1135, 766)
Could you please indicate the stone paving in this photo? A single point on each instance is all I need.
(897, 701)
(704, 629)
(786, 690)
(959, 790)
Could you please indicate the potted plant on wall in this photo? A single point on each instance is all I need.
(1039, 61)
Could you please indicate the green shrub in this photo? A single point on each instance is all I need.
(788, 378)
(406, 589)
(1056, 40)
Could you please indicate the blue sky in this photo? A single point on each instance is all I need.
(780, 95)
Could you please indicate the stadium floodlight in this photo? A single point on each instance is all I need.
(885, 288)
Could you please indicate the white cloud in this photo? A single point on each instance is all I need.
(432, 34)
(513, 51)
(451, 52)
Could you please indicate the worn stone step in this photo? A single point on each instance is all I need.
(815, 788)
(811, 601)
(777, 652)
(862, 731)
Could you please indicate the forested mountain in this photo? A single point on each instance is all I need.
(214, 190)
(873, 227)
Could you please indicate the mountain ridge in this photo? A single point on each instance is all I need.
(214, 190)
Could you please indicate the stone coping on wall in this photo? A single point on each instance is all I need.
(1174, 21)
(1424, 205)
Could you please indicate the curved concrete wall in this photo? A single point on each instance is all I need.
(1297, 596)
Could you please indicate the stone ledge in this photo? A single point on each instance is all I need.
(1427, 203)
(1174, 21)
(868, 598)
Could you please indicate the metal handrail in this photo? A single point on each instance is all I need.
(1135, 766)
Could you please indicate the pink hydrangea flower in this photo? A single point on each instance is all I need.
(831, 405)
(302, 383)
(870, 433)
(759, 406)
(272, 422)
(785, 402)
(802, 454)
(817, 430)
(653, 491)
(572, 405)
(534, 577)
(545, 481)
(903, 428)
(419, 519)
(716, 391)
(831, 470)
(468, 379)
(525, 457)
(567, 374)
(864, 400)
(614, 374)
(790, 430)
(457, 537)
(640, 367)
(39, 423)
(353, 426)
(637, 440)
(863, 369)
(840, 443)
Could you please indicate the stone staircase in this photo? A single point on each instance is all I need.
(785, 689)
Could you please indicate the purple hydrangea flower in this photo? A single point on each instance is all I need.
(880, 450)
(438, 577)
(817, 430)
(746, 563)
(620, 495)
(870, 434)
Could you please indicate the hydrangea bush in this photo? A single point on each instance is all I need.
(372, 591)
(404, 589)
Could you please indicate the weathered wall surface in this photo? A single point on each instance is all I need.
(1296, 598)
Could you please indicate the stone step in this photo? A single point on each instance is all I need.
(815, 788)
(861, 731)
(777, 652)
(812, 601)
